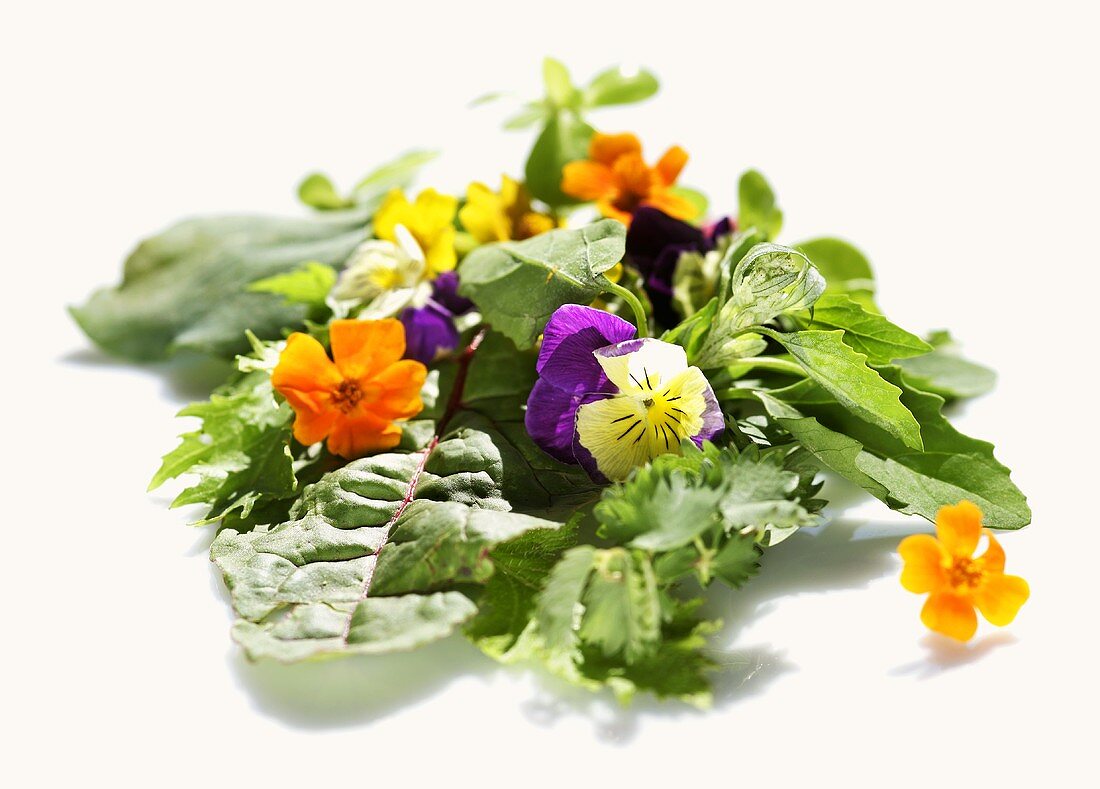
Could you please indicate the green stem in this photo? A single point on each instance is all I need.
(632, 300)
(775, 364)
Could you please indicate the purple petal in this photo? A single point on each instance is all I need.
(652, 230)
(714, 423)
(445, 293)
(569, 339)
(581, 453)
(723, 227)
(551, 414)
(429, 331)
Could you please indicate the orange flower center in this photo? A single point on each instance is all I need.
(348, 395)
(964, 573)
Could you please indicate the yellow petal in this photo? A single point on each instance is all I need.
(1000, 596)
(395, 210)
(924, 561)
(959, 527)
(440, 255)
(304, 366)
(434, 211)
(616, 434)
(483, 215)
(950, 615)
(993, 560)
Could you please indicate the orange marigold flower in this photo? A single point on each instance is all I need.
(944, 568)
(355, 398)
(619, 180)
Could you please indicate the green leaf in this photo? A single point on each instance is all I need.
(559, 86)
(517, 285)
(844, 373)
(396, 174)
(317, 191)
(619, 86)
(241, 454)
(866, 332)
(757, 205)
(622, 610)
(310, 586)
(563, 139)
(951, 467)
(310, 284)
(187, 288)
(845, 268)
(944, 372)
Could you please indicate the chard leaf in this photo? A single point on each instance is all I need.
(844, 373)
(867, 333)
(318, 583)
(951, 467)
(757, 205)
(517, 285)
(241, 453)
(187, 288)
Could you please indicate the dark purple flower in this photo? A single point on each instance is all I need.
(430, 330)
(610, 402)
(654, 243)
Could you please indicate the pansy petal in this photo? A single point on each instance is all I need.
(606, 148)
(364, 348)
(429, 331)
(362, 434)
(614, 433)
(671, 164)
(924, 559)
(304, 366)
(642, 365)
(959, 527)
(950, 615)
(445, 293)
(652, 231)
(1000, 596)
(571, 336)
(400, 385)
(440, 255)
(587, 180)
(713, 422)
(434, 210)
(550, 417)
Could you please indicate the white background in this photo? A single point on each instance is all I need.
(955, 143)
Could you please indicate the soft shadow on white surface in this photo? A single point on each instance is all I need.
(945, 654)
(186, 377)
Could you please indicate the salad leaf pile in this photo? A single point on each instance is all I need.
(467, 524)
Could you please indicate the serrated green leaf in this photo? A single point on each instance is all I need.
(736, 562)
(844, 373)
(622, 610)
(517, 285)
(866, 332)
(757, 205)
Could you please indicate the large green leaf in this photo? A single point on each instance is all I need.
(844, 373)
(390, 527)
(945, 372)
(563, 139)
(517, 285)
(951, 467)
(845, 268)
(187, 288)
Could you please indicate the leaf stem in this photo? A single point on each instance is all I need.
(632, 300)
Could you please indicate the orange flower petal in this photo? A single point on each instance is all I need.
(608, 208)
(993, 560)
(671, 204)
(312, 420)
(587, 180)
(951, 615)
(363, 348)
(304, 366)
(400, 384)
(1000, 596)
(364, 433)
(959, 527)
(606, 148)
(924, 564)
(671, 164)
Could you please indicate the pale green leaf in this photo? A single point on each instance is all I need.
(757, 205)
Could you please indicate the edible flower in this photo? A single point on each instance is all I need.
(507, 215)
(430, 327)
(616, 176)
(654, 243)
(610, 402)
(944, 568)
(357, 398)
(430, 221)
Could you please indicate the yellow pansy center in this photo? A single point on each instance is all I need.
(660, 401)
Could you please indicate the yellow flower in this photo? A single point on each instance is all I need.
(944, 567)
(430, 220)
(505, 216)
